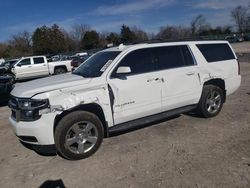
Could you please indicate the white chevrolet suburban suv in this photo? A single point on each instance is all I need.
(120, 88)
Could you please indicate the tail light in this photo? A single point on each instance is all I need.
(72, 63)
(238, 67)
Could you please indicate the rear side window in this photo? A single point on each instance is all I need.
(172, 57)
(140, 61)
(38, 60)
(216, 52)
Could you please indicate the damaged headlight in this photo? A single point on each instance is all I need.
(28, 109)
(31, 104)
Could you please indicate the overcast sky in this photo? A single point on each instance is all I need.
(109, 15)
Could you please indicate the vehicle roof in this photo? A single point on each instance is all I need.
(32, 56)
(123, 47)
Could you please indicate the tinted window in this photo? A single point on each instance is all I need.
(170, 57)
(38, 60)
(97, 64)
(25, 62)
(140, 61)
(187, 56)
(216, 52)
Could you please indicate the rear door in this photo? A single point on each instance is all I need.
(40, 66)
(180, 76)
(137, 94)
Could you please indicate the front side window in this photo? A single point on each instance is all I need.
(97, 64)
(24, 62)
(38, 60)
(139, 61)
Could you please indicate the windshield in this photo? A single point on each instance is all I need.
(97, 64)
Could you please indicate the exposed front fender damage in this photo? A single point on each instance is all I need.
(67, 99)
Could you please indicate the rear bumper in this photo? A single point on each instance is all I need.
(233, 84)
(40, 132)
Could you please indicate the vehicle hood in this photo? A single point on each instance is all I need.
(31, 88)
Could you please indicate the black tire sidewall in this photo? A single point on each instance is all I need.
(66, 123)
(202, 109)
(60, 70)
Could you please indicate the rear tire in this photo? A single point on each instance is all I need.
(78, 135)
(211, 101)
(60, 70)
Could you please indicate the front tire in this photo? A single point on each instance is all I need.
(78, 135)
(211, 101)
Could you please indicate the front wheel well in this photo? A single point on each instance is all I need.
(92, 108)
(219, 83)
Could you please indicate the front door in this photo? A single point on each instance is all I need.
(136, 94)
(23, 69)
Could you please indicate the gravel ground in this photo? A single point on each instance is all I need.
(183, 152)
(242, 47)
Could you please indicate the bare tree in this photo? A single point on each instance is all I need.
(21, 44)
(4, 50)
(139, 34)
(78, 31)
(239, 15)
(174, 32)
(198, 24)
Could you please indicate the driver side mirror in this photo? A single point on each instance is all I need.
(19, 65)
(123, 70)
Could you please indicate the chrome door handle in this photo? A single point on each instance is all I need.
(151, 80)
(156, 79)
(29, 66)
(190, 73)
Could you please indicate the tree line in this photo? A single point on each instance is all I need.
(53, 40)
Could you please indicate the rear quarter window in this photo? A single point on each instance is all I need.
(216, 52)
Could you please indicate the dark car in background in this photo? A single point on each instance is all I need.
(6, 85)
(78, 60)
(234, 38)
(7, 79)
(5, 68)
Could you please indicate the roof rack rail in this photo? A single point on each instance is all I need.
(152, 41)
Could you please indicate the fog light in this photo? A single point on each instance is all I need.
(29, 113)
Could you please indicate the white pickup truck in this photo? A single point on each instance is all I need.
(120, 88)
(38, 66)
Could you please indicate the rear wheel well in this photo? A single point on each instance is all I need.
(92, 108)
(219, 83)
(61, 66)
